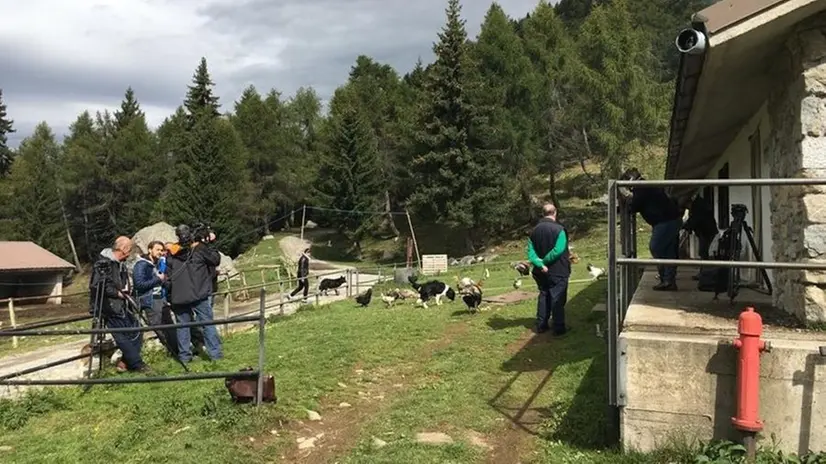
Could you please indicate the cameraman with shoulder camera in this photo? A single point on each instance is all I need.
(665, 218)
(190, 274)
(108, 293)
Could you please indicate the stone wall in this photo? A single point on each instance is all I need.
(797, 148)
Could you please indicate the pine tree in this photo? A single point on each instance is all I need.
(199, 97)
(620, 102)
(80, 178)
(454, 184)
(350, 177)
(36, 204)
(129, 110)
(6, 155)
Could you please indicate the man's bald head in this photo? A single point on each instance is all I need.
(122, 248)
(549, 210)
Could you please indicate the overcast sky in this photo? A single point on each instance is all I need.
(60, 57)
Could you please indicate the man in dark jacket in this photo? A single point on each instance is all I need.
(109, 293)
(189, 274)
(548, 252)
(665, 218)
(303, 273)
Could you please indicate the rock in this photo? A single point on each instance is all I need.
(267, 237)
(6, 448)
(379, 443)
(307, 443)
(310, 225)
(184, 429)
(226, 268)
(467, 260)
(342, 385)
(274, 432)
(160, 231)
(313, 416)
(453, 262)
(434, 438)
(344, 405)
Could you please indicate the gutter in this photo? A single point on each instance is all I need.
(688, 76)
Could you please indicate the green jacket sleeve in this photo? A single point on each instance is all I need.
(532, 256)
(559, 248)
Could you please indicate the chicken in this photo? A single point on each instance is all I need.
(405, 294)
(522, 268)
(517, 283)
(574, 258)
(389, 299)
(596, 272)
(364, 298)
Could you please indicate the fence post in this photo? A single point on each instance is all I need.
(263, 279)
(227, 301)
(349, 282)
(244, 283)
(261, 324)
(13, 321)
(358, 281)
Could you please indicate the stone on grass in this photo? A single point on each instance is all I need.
(344, 405)
(313, 416)
(379, 443)
(434, 438)
(307, 443)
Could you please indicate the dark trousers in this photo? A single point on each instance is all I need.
(129, 343)
(304, 284)
(665, 244)
(160, 314)
(553, 295)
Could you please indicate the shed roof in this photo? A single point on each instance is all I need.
(28, 256)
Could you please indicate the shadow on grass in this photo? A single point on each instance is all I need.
(580, 421)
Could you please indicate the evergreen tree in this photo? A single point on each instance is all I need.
(6, 155)
(36, 207)
(199, 97)
(80, 179)
(129, 110)
(350, 177)
(453, 184)
(620, 103)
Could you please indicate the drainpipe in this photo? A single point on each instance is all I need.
(749, 344)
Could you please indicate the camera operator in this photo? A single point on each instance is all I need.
(665, 218)
(190, 279)
(108, 292)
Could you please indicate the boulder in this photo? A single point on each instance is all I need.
(310, 225)
(161, 231)
(226, 268)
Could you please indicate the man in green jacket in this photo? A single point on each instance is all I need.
(548, 252)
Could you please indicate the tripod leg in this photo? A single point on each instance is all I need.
(735, 245)
(753, 244)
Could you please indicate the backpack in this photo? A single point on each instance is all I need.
(245, 390)
(716, 279)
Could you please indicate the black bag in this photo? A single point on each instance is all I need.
(713, 279)
(245, 390)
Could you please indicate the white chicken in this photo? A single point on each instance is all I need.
(596, 272)
(517, 283)
(388, 299)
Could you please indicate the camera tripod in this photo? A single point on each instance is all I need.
(735, 246)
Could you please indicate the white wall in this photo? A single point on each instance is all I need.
(738, 155)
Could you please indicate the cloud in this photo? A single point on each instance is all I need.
(83, 54)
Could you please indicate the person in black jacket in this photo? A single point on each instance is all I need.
(109, 296)
(303, 273)
(665, 217)
(548, 252)
(189, 276)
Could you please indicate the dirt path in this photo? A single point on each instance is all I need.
(363, 396)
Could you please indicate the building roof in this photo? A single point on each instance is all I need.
(720, 90)
(28, 256)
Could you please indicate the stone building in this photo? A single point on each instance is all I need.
(752, 104)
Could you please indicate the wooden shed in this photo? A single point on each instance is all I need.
(28, 270)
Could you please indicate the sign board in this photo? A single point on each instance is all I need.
(434, 264)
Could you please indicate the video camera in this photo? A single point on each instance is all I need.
(198, 232)
(739, 211)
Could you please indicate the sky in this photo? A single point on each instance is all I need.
(83, 54)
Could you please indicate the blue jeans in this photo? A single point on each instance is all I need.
(203, 312)
(129, 343)
(665, 244)
(553, 294)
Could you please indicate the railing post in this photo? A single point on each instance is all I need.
(262, 321)
(612, 313)
(13, 320)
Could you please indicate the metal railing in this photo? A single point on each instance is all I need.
(11, 379)
(624, 276)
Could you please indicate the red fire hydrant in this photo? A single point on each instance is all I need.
(750, 327)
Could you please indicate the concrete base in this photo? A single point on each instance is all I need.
(680, 381)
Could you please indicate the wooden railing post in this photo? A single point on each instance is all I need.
(13, 320)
